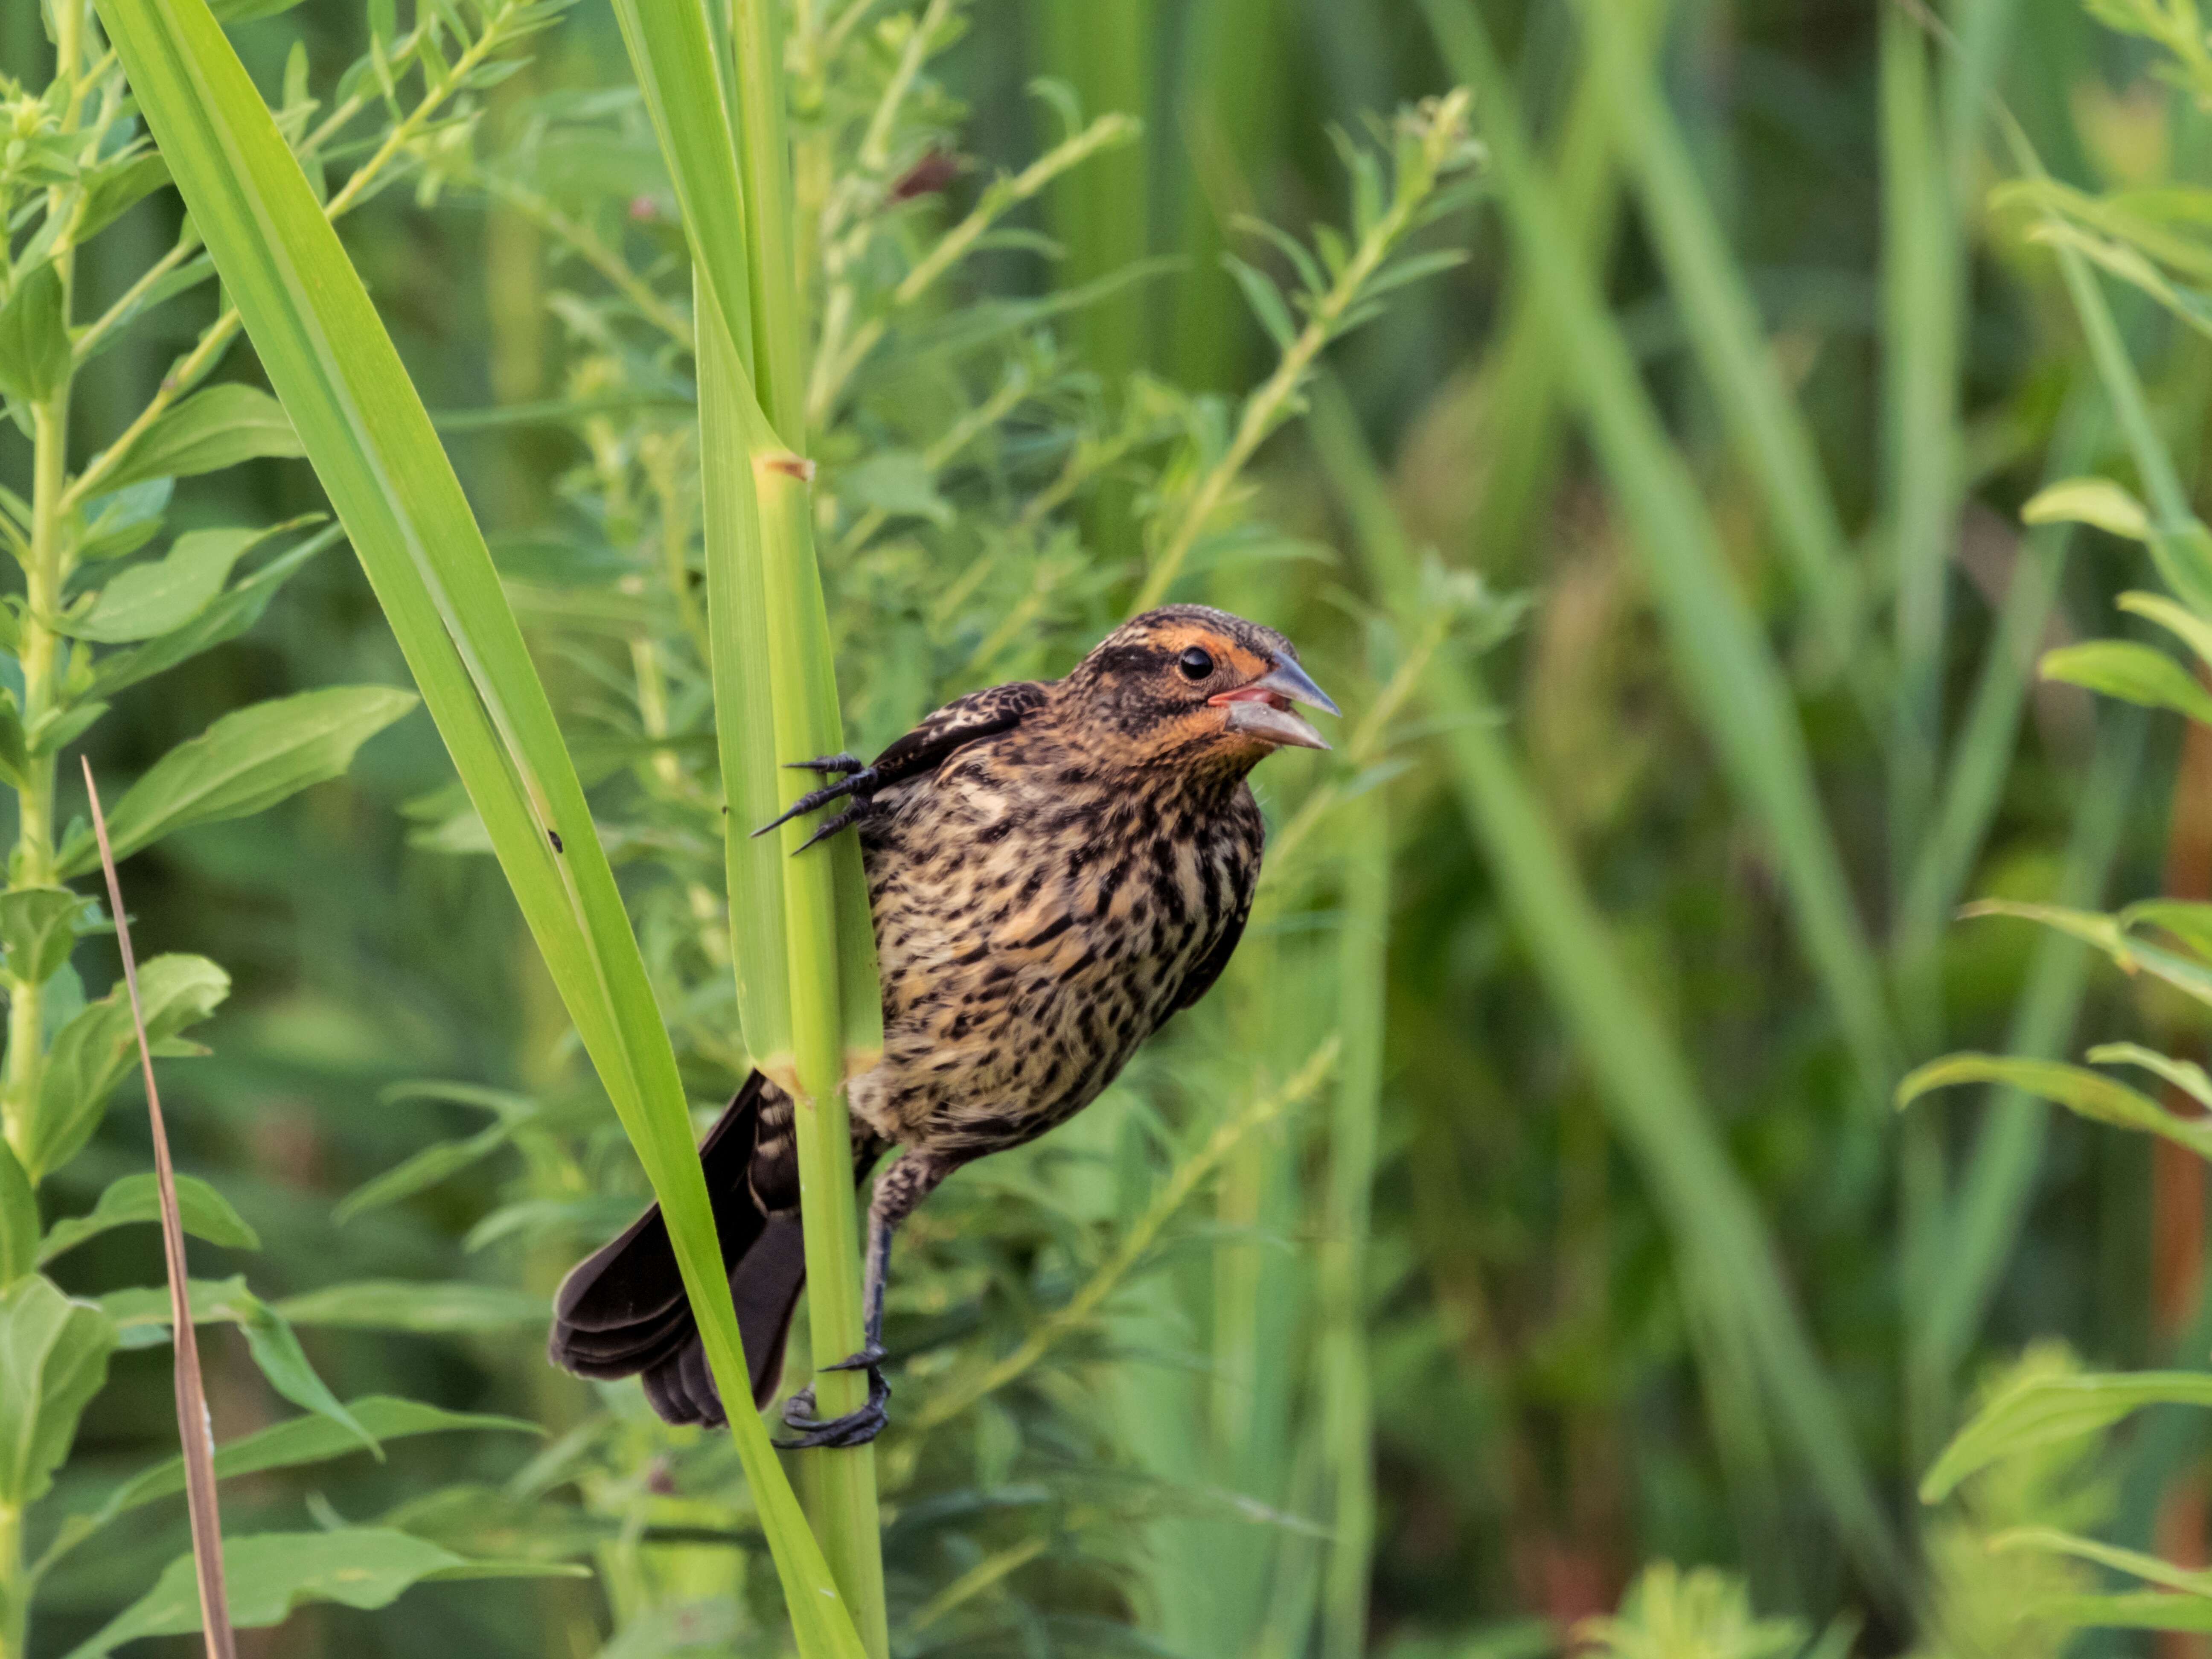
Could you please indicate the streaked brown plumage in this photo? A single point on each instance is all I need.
(1055, 869)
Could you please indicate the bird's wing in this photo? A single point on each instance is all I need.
(964, 720)
(1209, 966)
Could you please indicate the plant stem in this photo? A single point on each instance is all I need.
(15, 1593)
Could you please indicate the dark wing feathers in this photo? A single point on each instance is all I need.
(964, 720)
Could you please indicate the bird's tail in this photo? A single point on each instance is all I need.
(623, 1312)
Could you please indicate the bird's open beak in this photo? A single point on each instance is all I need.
(1262, 709)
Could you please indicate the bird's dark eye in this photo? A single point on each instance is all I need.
(1196, 663)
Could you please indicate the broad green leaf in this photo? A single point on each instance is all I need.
(301, 1440)
(2090, 1094)
(205, 1214)
(19, 1220)
(270, 1574)
(2098, 503)
(91, 1053)
(53, 1358)
(142, 1316)
(425, 1170)
(453, 1307)
(38, 925)
(149, 599)
(245, 762)
(125, 520)
(116, 188)
(377, 456)
(313, 1439)
(207, 431)
(34, 341)
(230, 614)
(2136, 673)
(2043, 1409)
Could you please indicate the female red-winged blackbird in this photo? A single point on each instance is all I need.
(1053, 869)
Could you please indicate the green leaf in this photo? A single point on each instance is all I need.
(207, 431)
(2185, 624)
(2081, 1091)
(118, 187)
(38, 925)
(897, 481)
(142, 1316)
(149, 599)
(2188, 920)
(125, 520)
(313, 1439)
(425, 1170)
(376, 454)
(34, 341)
(270, 1574)
(91, 1053)
(454, 1307)
(245, 762)
(250, 11)
(2136, 673)
(2043, 1409)
(231, 614)
(19, 1220)
(205, 1214)
(2149, 1568)
(2098, 503)
(2185, 1075)
(53, 1359)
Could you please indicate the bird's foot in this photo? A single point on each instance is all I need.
(855, 780)
(854, 1428)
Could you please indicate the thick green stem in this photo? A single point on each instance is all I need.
(33, 864)
(843, 1483)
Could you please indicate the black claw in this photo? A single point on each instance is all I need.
(867, 1360)
(847, 764)
(857, 784)
(854, 1428)
(844, 820)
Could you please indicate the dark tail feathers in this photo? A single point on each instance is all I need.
(623, 1312)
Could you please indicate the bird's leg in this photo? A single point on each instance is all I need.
(904, 1185)
(854, 779)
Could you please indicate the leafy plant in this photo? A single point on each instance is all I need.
(114, 593)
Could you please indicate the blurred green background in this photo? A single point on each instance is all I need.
(1551, 1407)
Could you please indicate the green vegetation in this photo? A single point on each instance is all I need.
(1703, 447)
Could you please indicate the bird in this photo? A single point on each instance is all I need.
(1053, 869)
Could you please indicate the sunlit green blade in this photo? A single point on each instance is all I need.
(1740, 695)
(672, 50)
(327, 353)
(1728, 1261)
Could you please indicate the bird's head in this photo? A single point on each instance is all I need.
(1192, 686)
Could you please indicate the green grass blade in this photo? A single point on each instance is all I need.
(365, 429)
(1739, 691)
(673, 51)
(1923, 292)
(1769, 432)
(1642, 1077)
